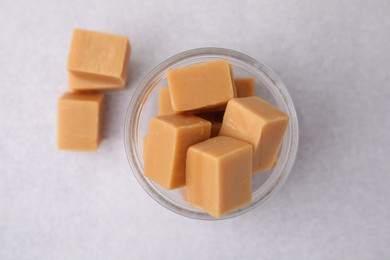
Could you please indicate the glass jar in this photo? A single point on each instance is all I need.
(144, 105)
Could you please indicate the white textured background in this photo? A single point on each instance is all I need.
(334, 58)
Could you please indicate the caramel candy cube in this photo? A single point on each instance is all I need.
(144, 140)
(245, 87)
(219, 175)
(97, 60)
(164, 102)
(168, 139)
(259, 123)
(201, 86)
(80, 121)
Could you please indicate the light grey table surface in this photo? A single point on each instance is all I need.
(333, 57)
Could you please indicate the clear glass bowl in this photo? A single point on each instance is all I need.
(144, 105)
